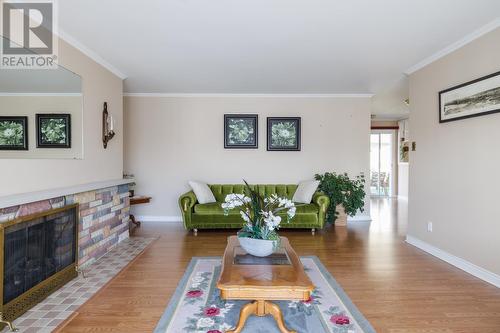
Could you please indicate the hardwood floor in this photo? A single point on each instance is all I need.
(396, 286)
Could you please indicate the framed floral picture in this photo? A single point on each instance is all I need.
(241, 131)
(283, 133)
(53, 130)
(13, 133)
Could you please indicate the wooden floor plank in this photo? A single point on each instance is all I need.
(395, 285)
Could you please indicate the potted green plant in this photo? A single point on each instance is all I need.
(259, 236)
(346, 195)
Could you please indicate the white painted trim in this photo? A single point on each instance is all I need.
(2, 94)
(464, 265)
(19, 199)
(249, 95)
(170, 219)
(455, 46)
(91, 54)
(153, 218)
(359, 218)
(389, 117)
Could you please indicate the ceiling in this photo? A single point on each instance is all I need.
(269, 46)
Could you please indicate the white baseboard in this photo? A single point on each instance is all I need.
(173, 219)
(359, 218)
(464, 265)
(153, 218)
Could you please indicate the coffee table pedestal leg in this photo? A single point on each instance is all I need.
(261, 308)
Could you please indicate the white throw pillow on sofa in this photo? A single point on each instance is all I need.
(203, 192)
(305, 191)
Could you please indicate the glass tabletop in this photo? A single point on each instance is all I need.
(279, 257)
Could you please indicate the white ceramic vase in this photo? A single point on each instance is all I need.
(257, 247)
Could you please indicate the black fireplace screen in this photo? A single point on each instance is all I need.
(37, 249)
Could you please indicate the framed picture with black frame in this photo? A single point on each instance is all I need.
(283, 133)
(53, 130)
(14, 133)
(241, 131)
(471, 99)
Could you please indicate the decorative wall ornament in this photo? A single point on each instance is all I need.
(108, 125)
(283, 133)
(404, 141)
(53, 130)
(241, 131)
(14, 133)
(471, 99)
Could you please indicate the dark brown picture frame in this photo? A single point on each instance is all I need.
(228, 144)
(273, 147)
(478, 114)
(24, 121)
(39, 139)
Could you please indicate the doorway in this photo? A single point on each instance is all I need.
(382, 180)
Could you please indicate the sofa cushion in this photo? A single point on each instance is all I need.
(305, 191)
(213, 209)
(203, 192)
(216, 209)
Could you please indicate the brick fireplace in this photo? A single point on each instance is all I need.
(100, 222)
(38, 255)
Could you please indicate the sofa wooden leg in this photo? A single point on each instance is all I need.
(313, 231)
(195, 231)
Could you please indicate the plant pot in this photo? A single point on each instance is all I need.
(257, 247)
(342, 217)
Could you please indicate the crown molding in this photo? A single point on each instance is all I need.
(455, 46)
(90, 53)
(249, 95)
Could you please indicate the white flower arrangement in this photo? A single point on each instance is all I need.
(261, 215)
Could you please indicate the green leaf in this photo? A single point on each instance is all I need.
(344, 191)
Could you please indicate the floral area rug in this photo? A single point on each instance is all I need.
(196, 306)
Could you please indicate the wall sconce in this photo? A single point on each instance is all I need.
(107, 126)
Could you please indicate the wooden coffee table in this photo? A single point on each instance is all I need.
(279, 277)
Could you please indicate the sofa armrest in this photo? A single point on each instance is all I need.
(186, 204)
(323, 201)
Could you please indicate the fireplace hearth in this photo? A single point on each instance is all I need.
(38, 255)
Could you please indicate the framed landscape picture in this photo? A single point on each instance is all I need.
(13, 133)
(471, 99)
(240, 131)
(283, 133)
(53, 130)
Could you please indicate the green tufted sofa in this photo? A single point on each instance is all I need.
(211, 216)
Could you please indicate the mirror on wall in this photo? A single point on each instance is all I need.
(41, 114)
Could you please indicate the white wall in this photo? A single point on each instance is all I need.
(403, 167)
(454, 171)
(403, 180)
(171, 140)
(98, 85)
